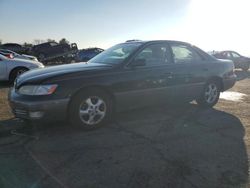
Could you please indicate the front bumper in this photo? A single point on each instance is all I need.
(38, 110)
(229, 82)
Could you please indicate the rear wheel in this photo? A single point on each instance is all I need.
(16, 72)
(210, 94)
(90, 109)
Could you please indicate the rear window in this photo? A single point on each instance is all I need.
(53, 44)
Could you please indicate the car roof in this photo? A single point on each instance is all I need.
(156, 41)
(46, 43)
(89, 49)
(228, 51)
(11, 44)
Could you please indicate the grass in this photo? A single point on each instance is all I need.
(5, 112)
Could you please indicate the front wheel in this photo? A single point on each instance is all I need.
(16, 72)
(90, 110)
(210, 95)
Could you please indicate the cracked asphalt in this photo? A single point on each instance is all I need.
(175, 146)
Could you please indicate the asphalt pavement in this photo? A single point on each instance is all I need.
(168, 146)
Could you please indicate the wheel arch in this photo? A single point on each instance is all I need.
(104, 89)
(16, 68)
(218, 80)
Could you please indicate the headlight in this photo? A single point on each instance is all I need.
(41, 65)
(37, 90)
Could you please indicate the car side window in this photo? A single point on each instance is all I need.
(184, 54)
(154, 54)
(235, 55)
(228, 55)
(53, 44)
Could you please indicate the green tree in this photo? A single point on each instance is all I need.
(27, 45)
(51, 40)
(38, 41)
(63, 41)
(0, 42)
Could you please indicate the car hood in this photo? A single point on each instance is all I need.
(28, 56)
(225, 60)
(39, 75)
(25, 61)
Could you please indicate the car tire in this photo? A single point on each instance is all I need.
(210, 95)
(245, 67)
(90, 109)
(16, 72)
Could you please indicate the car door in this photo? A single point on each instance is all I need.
(149, 83)
(190, 71)
(3, 69)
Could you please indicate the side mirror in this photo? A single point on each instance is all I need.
(138, 62)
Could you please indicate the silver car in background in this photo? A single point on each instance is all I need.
(11, 68)
(19, 56)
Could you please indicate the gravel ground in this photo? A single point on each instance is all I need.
(167, 146)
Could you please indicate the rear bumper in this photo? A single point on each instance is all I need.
(229, 82)
(38, 110)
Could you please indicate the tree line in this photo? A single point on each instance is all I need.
(40, 41)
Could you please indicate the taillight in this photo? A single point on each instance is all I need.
(10, 56)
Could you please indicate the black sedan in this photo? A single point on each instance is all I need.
(240, 61)
(14, 47)
(52, 49)
(127, 75)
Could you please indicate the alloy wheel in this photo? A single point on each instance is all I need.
(92, 110)
(211, 93)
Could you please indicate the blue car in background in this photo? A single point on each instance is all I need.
(87, 54)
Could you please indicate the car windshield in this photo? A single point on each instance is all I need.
(116, 54)
(235, 54)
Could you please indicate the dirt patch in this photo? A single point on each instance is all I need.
(5, 112)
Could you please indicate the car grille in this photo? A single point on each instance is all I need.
(20, 113)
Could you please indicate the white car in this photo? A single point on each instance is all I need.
(11, 68)
(19, 56)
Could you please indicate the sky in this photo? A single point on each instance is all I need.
(208, 24)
